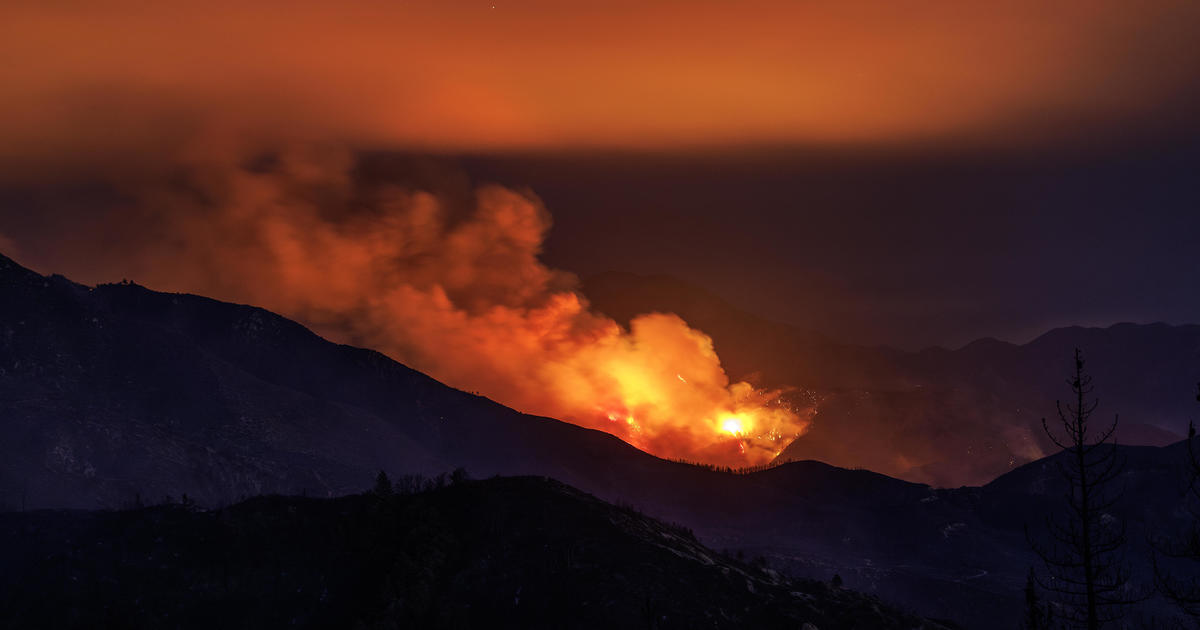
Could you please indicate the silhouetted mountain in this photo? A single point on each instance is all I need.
(518, 552)
(944, 417)
(115, 393)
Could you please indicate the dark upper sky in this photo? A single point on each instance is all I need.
(906, 248)
(889, 175)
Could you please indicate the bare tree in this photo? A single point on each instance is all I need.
(1086, 583)
(1184, 591)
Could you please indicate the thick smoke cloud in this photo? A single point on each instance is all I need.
(456, 292)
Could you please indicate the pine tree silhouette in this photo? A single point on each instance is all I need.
(1184, 591)
(1086, 583)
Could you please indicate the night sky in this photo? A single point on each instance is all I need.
(884, 174)
(908, 249)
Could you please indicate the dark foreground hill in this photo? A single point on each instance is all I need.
(116, 392)
(518, 552)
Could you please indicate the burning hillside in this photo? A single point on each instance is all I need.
(459, 293)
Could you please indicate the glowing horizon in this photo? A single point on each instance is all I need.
(533, 74)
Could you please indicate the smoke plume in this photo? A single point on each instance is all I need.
(456, 292)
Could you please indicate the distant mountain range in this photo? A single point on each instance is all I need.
(943, 417)
(118, 395)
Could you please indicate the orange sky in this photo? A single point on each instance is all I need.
(462, 75)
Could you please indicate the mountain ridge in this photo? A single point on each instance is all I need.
(115, 394)
(882, 408)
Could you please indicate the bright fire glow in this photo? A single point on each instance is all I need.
(732, 425)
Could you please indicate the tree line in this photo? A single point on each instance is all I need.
(1084, 580)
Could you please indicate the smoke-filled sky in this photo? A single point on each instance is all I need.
(542, 74)
(887, 172)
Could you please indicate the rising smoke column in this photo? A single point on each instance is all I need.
(460, 295)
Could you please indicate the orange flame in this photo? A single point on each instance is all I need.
(464, 299)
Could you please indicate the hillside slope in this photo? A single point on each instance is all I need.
(115, 391)
(117, 394)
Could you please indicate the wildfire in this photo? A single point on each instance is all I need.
(462, 298)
